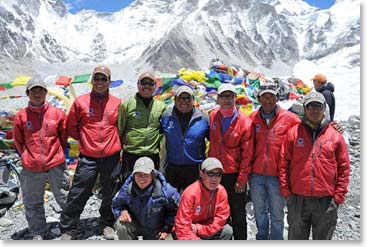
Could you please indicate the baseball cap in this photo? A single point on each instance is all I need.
(313, 97)
(147, 75)
(102, 70)
(211, 163)
(320, 78)
(268, 88)
(36, 82)
(184, 89)
(226, 87)
(144, 165)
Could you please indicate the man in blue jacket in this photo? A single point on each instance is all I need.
(185, 129)
(146, 204)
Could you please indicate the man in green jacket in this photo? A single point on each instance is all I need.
(139, 124)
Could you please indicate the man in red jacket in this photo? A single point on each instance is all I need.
(40, 138)
(232, 142)
(203, 211)
(271, 124)
(92, 121)
(314, 173)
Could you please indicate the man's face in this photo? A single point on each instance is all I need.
(268, 102)
(184, 103)
(100, 83)
(146, 87)
(226, 99)
(316, 84)
(211, 179)
(143, 180)
(37, 95)
(314, 112)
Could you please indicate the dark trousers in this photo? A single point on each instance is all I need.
(130, 158)
(84, 179)
(181, 176)
(320, 213)
(237, 203)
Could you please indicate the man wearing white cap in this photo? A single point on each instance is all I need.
(185, 129)
(40, 138)
(146, 204)
(204, 210)
(314, 173)
(232, 142)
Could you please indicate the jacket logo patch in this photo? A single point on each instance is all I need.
(257, 127)
(91, 112)
(300, 142)
(197, 210)
(28, 124)
(170, 125)
(137, 114)
(215, 125)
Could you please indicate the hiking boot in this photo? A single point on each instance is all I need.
(37, 237)
(108, 233)
(66, 236)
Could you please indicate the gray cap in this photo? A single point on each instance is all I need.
(37, 82)
(211, 163)
(184, 89)
(313, 97)
(144, 165)
(268, 88)
(226, 87)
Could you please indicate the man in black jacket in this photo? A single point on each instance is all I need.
(327, 90)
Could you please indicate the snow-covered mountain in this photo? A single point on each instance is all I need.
(166, 35)
(42, 37)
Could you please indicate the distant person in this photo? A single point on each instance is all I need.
(327, 89)
(271, 124)
(232, 142)
(146, 204)
(40, 139)
(314, 171)
(186, 129)
(92, 121)
(204, 210)
(139, 124)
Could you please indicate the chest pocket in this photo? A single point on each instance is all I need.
(51, 128)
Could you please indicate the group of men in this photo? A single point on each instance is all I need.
(303, 163)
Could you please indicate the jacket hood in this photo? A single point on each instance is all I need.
(328, 86)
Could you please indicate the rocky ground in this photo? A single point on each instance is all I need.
(13, 226)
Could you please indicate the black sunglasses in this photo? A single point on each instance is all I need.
(103, 78)
(184, 99)
(226, 96)
(268, 87)
(214, 174)
(147, 83)
(314, 106)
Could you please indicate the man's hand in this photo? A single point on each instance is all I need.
(125, 216)
(194, 229)
(162, 235)
(239, 189)
(337, 127)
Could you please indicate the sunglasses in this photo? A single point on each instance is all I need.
(97, 78)
(147, 83)
(227, 96)
(184, 99)
(268, 87)
(214, 174)
(314, 106)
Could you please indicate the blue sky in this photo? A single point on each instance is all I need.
(116, 5)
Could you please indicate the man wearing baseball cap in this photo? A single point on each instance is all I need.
(185, 128)
(314, 173)
(204, 210)
(40, 138)
(271, 124)
(92, 121)
(146, 205)
(326, 88)
(139, 124)
(232, 142)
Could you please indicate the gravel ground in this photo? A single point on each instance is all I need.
(13, 226)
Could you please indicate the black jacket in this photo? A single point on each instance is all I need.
(328, 91)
